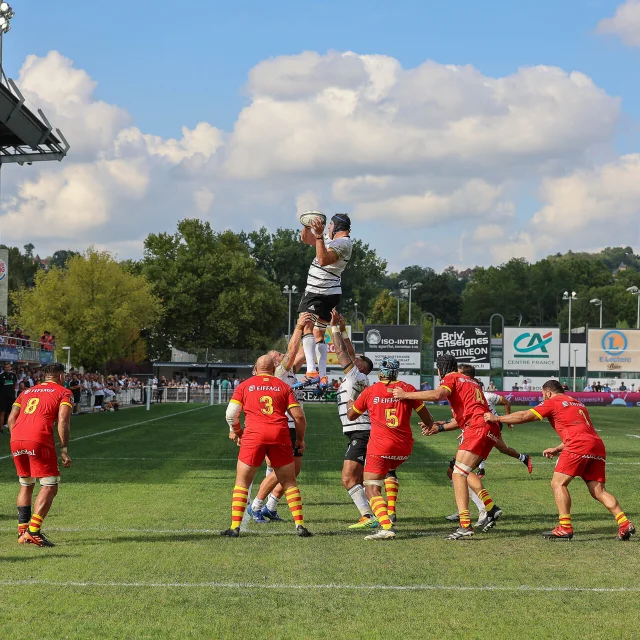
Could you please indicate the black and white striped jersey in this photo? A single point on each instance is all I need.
(354, 383)
(326, 281)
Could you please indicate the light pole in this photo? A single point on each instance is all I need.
(570, 298)
(405, 284)
(6, 13)
(575, 359)
(634, 291)
(598, 303)
(398, 297)
(289, 291)
(68, 350)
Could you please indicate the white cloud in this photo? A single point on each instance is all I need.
(474, 199)
(424, 146)
(625, 23)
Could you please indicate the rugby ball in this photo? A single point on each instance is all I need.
(307, 217)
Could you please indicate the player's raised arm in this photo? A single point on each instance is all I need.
(346, 339)
(324, 255)
(64, 429)
(345, 359)
(296, 339)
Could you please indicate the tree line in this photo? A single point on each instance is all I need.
(198, 288)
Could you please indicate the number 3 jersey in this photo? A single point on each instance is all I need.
(265, 400)
(39, 408)
(390, 418)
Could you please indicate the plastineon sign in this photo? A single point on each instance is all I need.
(469, 344)
(402, 342)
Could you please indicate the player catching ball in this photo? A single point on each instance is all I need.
(323, 290)
(34, 449)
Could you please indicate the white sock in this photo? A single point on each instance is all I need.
(321, 351)
(522, 457)
(309, 346)
(477, 501)
(257, 505)
(272, 502)
(360, 499)
(481, 465)
(269, 472)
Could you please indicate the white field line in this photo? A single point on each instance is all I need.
(126, 426)
(314, 587)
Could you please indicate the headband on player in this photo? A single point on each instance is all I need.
(446, 364)
(341, 222)
(389, 369)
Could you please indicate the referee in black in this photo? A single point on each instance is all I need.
(8, 388)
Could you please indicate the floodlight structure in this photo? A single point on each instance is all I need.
(24, 136)
(570, 298)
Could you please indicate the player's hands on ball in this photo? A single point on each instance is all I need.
(317, 226)
(550, 453)
(66, 460)
(398, 394)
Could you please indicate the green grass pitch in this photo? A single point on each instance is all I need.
(139, 555)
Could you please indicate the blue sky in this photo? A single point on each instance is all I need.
(173, 68)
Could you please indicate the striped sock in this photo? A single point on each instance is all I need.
(238, 505)
(294, 500)
(486, 498)
(391, 487)
(621, 518)
(379, 508)
(35, 523)
(465, 518)
(565, 521)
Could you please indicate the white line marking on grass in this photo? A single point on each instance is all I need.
(311, 587)
(631, 435)
(127, 426)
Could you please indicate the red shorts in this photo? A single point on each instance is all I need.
(480, 438)
(381, 465)
(34, 460)
(253, 453)
(578, 465)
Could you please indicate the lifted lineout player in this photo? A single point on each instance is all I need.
(323, 291)
(582, 455)
(287, 365)
(265, 400)
(34, 449)
(478, 438)
(391, 439)
(358, 431)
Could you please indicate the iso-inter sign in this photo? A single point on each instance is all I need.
(532, 349)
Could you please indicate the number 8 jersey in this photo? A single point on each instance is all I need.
(265, 400)
(39, 408)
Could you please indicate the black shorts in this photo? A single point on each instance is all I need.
(76, 397)
(97, 401)
(319, 305)
(357, 449)
(452, 464)
(6, 404)
(296, 453)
